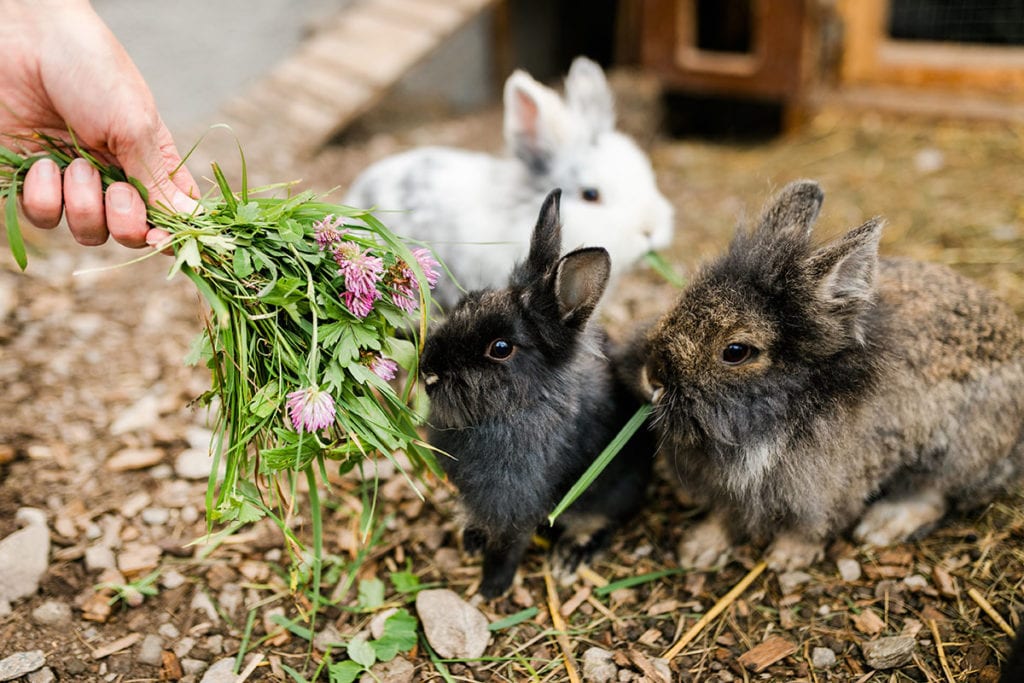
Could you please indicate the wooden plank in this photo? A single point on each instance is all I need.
(435, 16)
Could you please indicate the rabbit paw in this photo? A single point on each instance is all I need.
(894, 520)
(789, 551)
(570, 553)
(473, 541)
(705, 545)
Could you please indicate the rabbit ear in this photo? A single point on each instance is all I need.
(535, 121)
(588, 95)
(546, 242)
(794, 210)
(844, 273)
(580, 279)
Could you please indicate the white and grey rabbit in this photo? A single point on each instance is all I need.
(804, 390)
(523, 398)
(476, 210)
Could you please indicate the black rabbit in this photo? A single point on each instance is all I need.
(523, 397)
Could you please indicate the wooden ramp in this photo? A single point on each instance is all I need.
(341, 71)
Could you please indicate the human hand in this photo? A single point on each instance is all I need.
(61, 68)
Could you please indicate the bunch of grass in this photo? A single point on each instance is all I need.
(299, 363)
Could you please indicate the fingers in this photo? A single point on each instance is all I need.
(152, 158)
(42, 198)
(126, 215)
(83, 203)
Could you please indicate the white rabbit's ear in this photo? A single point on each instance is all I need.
(580, 279)
(536, 121)
(794, 209)
(589, 96)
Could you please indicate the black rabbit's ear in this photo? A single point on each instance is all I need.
(546, 242)
(580, 279)
(844, 274)
(793, 210)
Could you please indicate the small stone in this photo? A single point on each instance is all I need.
(230, 599)
(823, 658)
(21, 663)
(138, 559)
(663, 668)
(598, 666)
(888, 653)
(169, 631)
(201, 601)
(151, 650)
(52, 613)
(134, 459)
(172, 579)
(221, 671)
(193, 463)
(44, 675)
(183, 647)
(141, 415)
(134, 504)
(156, 516)
(98, 558)
(849, 569)
(454, 628)
(398, 670)
(24, 555)
(193, 667)
(790, 581)
(916, 582)
(377, 623)
(215, 644)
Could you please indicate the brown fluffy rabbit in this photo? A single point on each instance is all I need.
(804, 390)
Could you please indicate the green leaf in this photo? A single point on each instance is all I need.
(266, 401)
(247, 213)
(13, 229)
(399, 636)
(610, 451)
(362, 652)
(200, 349)
(513, 619)
(371, 593)
(662, 268)
(405, 582)
(241, 263)
(290, 231)
(345, 672)
(636, 580)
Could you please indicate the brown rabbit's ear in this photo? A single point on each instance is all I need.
(580, 279)
(793, 210)
(844, 273)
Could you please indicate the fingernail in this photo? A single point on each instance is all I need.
(182, 203)
(158, 239)
(46, 169)
(119, 198)
(81, 171)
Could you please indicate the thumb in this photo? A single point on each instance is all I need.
(154, 161)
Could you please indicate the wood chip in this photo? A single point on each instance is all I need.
(767, 653)
(649, 637)
(868, 622)
(578, 598)
(944, 582)
(116, 646)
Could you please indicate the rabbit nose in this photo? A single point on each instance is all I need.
(430, 379)
(651, 386)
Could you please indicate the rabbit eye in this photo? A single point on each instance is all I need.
(590, 194)
(500, 349)
(737, 354)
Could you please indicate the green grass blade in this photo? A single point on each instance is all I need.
(513, 619)
(13, 229)
(637, 580)
(610, 451)
(662, 268)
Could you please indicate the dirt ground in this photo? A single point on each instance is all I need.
(91, 374)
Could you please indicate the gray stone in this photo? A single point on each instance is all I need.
(44, 675)
(183, 647)
(192, 667)
(151, 650)
(329, 638)
(398, 670)
(156, 516)
(598, 666)
(888, 653)
(169, 631)
(221, 671)
(193, 463)
(790, 581)
(230, 599)
(52, 613)
(377, 623)
(24, 555)
(454, 628)
(823, 658)
(663, 668)
(21, 663)
(98, 557)
(849, 569)
(142, 414)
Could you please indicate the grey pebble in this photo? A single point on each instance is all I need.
(21, 663)
(44, 675)
(52, 613)
(151, 650)
(221, 671)
(889, 653)
(192, 667)
(849, 569)
(598, 666)
(823, 658)
(156, 516)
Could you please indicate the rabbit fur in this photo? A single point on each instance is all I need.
(521, 430)
(875, 393)
(476, 210)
